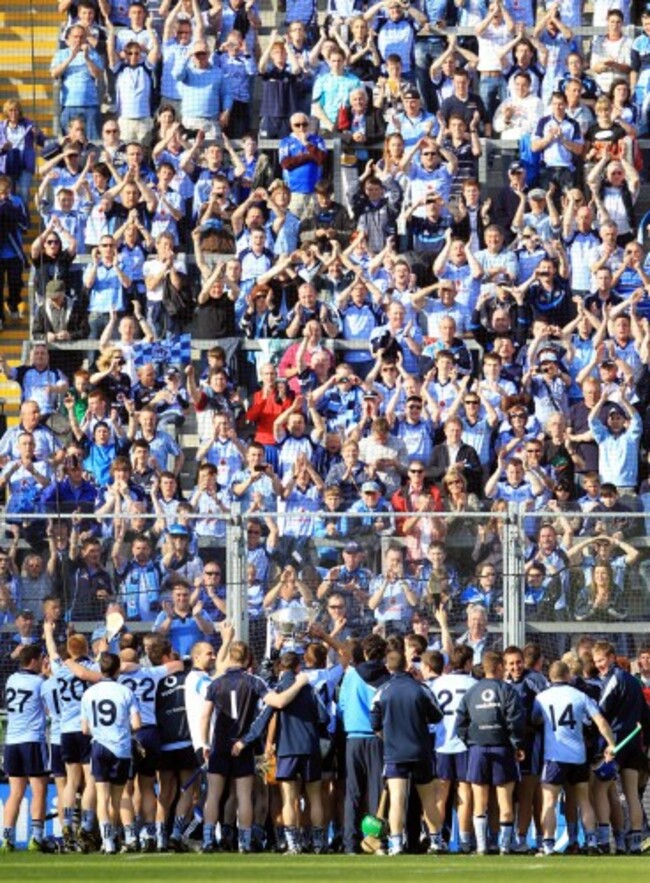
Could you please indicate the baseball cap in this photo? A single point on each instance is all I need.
(98, 634)
(516, 167)
(172, 372)
(353, 547)
(54, 288)
(547, 356)
(369, 487)
(537, 193)
(178, 530)
(615, 410)
(25, 613)
(610, 363)
(411, 93)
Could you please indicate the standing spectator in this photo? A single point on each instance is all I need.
(279, 69)
(13, 223)
(206, 96)
(302, 156)
(332, 90)
(618, 443)
(79, 67)
(559, 141)
(611, 53)
(134, 85)
(107, 285)
(19, 138)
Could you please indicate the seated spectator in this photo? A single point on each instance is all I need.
(60, 318)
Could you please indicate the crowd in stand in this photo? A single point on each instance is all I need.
(361, 423)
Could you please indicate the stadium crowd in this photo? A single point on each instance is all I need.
(384, 361)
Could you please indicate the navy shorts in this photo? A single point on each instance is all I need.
(452, 767)
(307, 767)
(75, 748)
(148, 738)
(106, 767)
(57, 767)
(420, 772)
(532, 763)
(222, 763)
(492, 765)
(556, 772)
(632, 757)
(26, 760)
(178, 759)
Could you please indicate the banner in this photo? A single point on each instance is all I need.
(173, 350)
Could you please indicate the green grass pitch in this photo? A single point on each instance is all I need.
(22, 866)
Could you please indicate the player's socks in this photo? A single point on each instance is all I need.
(590, 838)
(161, 835)
(548, 845)
(107, 836)
(68, 816)
(603, 834)
(572, 831)
(259, 834)
(245, 837)
(208, 834)
(9, 835)
(130, 833)
(395, 843)
(465, 840)
(179, 825)
(318, 837)
(38, 829)
(87, 820)
(505, 836)
(635, 839)
(619, 840)
(480, 829)
(293, 837)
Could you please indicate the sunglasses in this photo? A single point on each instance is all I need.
(416, 471)
(52, 242)
(111, 131)
(471, 402)
(429, 153)
(300, 125)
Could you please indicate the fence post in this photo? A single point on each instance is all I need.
(237, 595)
(514, 627)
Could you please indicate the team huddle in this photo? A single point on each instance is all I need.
(146, 750)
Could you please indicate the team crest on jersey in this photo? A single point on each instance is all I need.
(488, 695)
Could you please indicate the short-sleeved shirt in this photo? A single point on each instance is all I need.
(107, 708)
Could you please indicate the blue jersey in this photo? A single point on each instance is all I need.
(564, 710)
(143, 683)
(52, 703)
(107, 708)
(25, 711)
(71, 690)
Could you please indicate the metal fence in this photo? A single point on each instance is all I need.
(544, 576)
